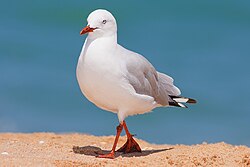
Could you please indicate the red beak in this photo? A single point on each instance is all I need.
(86, 30)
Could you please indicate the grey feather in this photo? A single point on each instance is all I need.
(146, 80)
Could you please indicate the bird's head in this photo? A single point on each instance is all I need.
(100, 23)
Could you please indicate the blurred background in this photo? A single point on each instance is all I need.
(203, 45)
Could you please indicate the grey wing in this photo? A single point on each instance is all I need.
(145, 79)
(166, 84)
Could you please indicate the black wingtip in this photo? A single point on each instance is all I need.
(191, 101)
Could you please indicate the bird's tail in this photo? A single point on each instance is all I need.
(178, 100)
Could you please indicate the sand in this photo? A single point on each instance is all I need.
(49, 149)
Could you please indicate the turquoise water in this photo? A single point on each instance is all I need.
(204, 45)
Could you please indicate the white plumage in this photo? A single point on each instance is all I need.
(117, 79)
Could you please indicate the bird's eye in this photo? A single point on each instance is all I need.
(104, 21)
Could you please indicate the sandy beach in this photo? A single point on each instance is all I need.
(49, 149)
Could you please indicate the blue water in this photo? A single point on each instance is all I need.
(204, 45)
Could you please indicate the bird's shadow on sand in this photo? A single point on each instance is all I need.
(95, 151)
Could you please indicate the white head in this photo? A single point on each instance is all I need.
(100, 23)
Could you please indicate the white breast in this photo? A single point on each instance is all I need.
(101, 75)
(100, 78)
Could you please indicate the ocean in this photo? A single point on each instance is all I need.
(203, 45)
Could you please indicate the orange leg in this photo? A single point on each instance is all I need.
(131, 145)
(111, 155)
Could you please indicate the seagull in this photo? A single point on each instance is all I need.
(121, 81)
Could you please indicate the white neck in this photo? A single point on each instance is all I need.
(112, 37)
(105, 43)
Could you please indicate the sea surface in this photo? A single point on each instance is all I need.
(203, 45)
